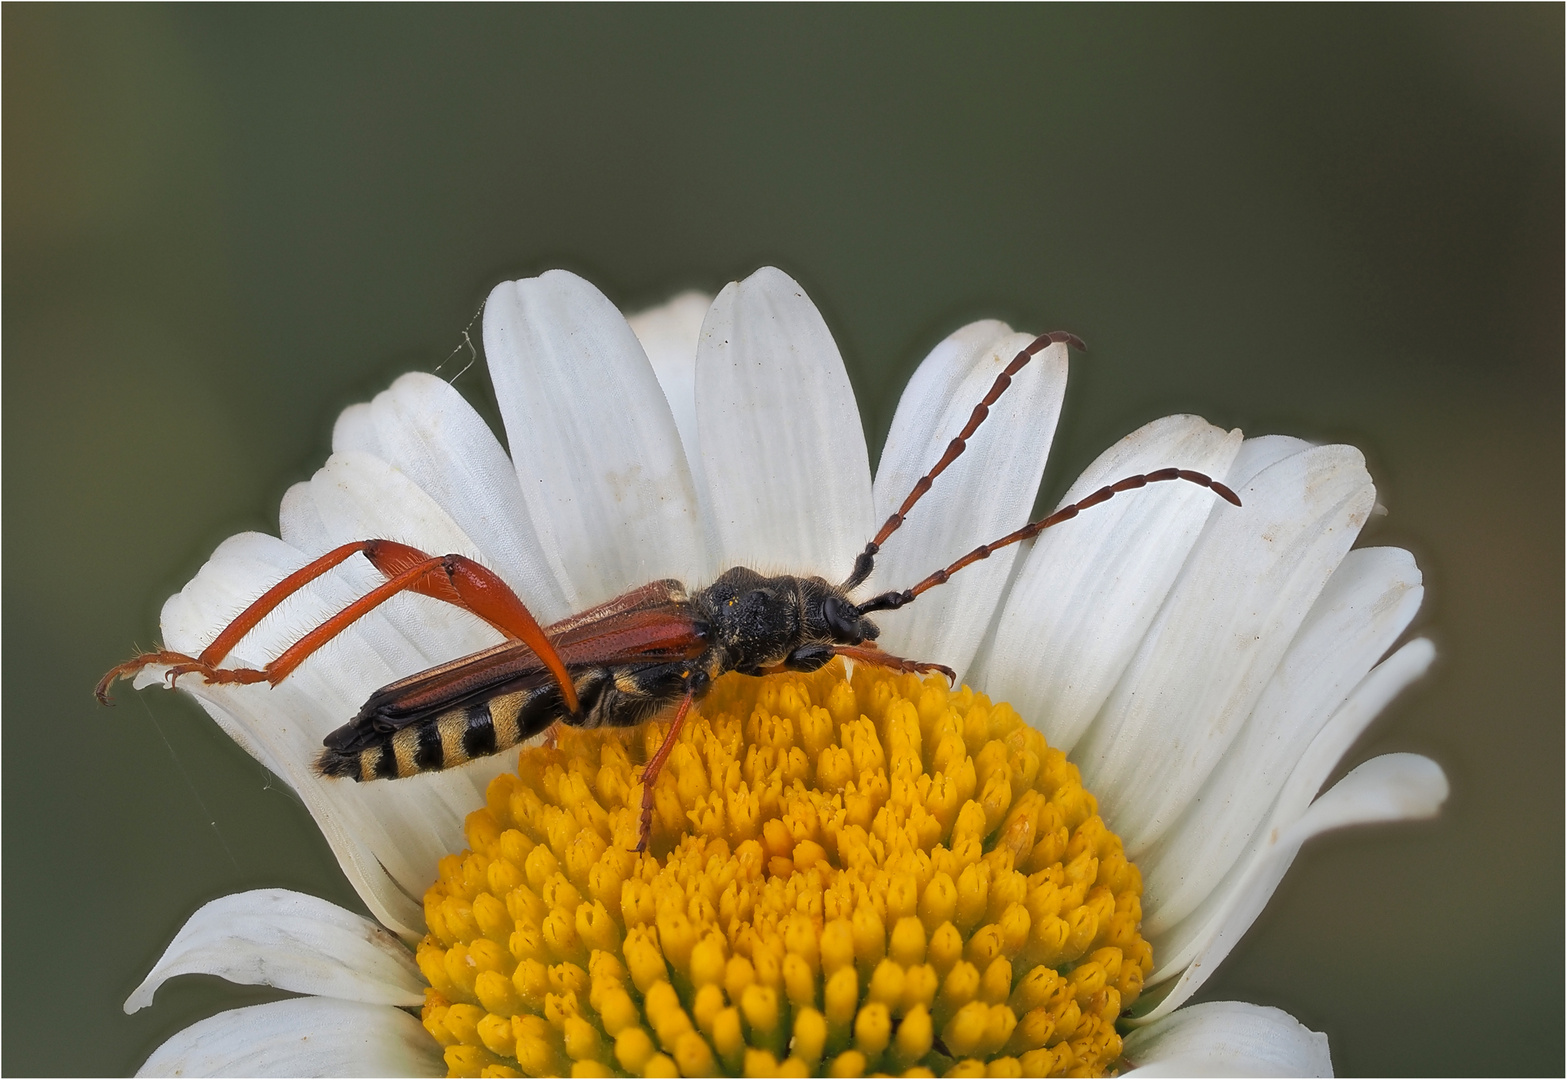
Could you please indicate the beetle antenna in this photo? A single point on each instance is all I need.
(891, 601)
(866, 560)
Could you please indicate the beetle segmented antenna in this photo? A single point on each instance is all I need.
(891, 601)
(866, 560)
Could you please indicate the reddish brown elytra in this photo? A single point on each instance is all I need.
(617, 664)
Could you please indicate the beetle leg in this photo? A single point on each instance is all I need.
(870, 654)
(478, 589)
(206, 664)
(291, 657)
(131, 667)
(453, 579)
(655, 764)
(243, 623)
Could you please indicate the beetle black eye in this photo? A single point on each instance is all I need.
(841, 619)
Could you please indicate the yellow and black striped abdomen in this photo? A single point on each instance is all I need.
(382, 745)
(448, 740)
(442, 741)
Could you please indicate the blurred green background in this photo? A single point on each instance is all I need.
(222, 225)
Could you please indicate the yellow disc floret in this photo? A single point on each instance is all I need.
(846, 877)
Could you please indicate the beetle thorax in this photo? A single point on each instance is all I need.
(758, 621)
(755, 620)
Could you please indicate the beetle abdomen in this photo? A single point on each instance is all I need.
(447, 739)
(618, 696)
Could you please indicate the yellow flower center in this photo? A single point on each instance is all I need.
(850, 876)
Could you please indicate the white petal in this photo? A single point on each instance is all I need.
(1393, 787)
(1386, 681)
(1366, 605)
(669, 335)
(274, 937)
(592, 438)
(1090, 588)
(354, 828)
(1238, 601)
(1228, 1038)
(299, 522)
(788, 477)
(984, 495)
(1175, 948)
(356, 430)
(1260, 452)
(424, 429)
(301, 1037)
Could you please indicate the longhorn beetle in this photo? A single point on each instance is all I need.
(616, 664)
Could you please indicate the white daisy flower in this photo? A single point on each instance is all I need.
(1205, 667)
